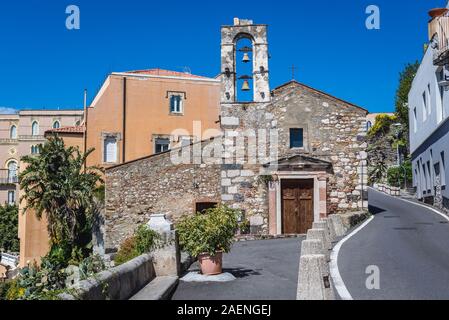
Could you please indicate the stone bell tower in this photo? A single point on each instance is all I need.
(230, 35)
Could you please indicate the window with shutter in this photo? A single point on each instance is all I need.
(11, 197)
(13, 132)
(176, 104)
(35, 128)
(296, 138)
(162, 145)
(110, 150)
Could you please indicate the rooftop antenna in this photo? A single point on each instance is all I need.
(187, 70)
(85, 105)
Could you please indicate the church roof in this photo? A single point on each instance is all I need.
(294, 83)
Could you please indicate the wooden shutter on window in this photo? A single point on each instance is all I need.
(110, 150)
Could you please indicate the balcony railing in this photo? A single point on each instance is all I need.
(31, 138)
(9, 176)
(8, 141)
(440, 27)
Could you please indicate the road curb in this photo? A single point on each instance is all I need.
(339, 284)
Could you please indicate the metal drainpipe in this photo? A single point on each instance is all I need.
(124, 122)
(85, 127)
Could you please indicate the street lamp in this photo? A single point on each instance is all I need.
(398, 126)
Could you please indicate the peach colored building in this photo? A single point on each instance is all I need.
(140, 113)
(135, 114)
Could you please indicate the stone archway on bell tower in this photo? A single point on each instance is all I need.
(230, 35)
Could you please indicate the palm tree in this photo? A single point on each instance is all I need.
(58, 184)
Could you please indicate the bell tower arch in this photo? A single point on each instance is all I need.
(230, 35)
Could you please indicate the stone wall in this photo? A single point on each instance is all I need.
(138, 189)
(334, 131)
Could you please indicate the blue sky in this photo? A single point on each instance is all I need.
(44, 65)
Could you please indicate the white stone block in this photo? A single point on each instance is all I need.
(232, 190)
(247, 173)
(309, 247)
(336, 225)
(227, 197)
(226, 182)
(159, 223)
(233, 173)
(314, 279)
(230, 121)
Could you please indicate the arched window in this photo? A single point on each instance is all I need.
(56, 125)
(369, 125)
(13, 132)
(35, 128)
(244, 68)
(12, 171)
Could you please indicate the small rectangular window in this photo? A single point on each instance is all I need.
(200, 207)
(11, 197)
(415, 121)
(162, 145)
(424, 106)
(110, 150)
(443, 169)
(176, 104)
(429, 104)
(296, 138)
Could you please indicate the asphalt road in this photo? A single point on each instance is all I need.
(410, 246)
(265, 270)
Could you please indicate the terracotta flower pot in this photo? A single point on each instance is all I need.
(437, 12)
(211, 265)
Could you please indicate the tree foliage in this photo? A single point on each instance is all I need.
(401, 101)
(382, 125)
(9, 222)
(57, 183)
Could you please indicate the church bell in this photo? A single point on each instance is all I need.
(246, 58)
(245, 86)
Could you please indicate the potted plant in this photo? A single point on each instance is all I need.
(208, 235)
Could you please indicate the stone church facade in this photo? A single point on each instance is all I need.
(291, 156)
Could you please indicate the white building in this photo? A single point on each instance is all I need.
(429, 121)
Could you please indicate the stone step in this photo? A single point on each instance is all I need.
(160, 288)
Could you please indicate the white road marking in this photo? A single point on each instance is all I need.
(416, 204)
(335, 273)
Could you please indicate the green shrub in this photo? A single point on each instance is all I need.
(4, 287)
(15, 291)
(9, 222)
(245, 226)
(396, 175)
(91, 266)
(127, 251)
(209, 232)
(143, 241)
